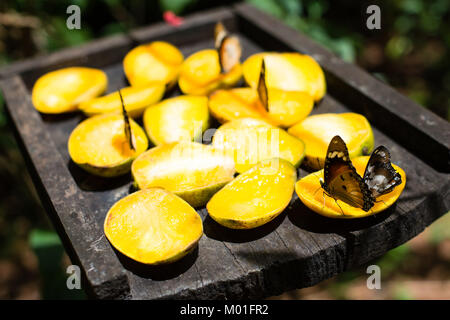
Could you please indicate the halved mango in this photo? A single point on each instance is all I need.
(256, 196)
(201, 73)
(286, 108)
(318, 130)
(191, 170)
(157, 61)
(183, 118)
(312, 195)
(63, 90)
(153, 226)
(99, 145)
(250, 141)
(136, 99)
(287, 71)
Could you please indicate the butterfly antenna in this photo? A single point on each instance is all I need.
(381, 201)
(335, 200)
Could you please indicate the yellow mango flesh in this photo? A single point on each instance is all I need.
(135, 99)
(157, 61)
(318, 130)
(250, 141)
(255, 197)
(287, 72)
(153, 226)
(191, 170)
(183, 118)
(200, 73)
(99, 145)
(285, 107)
(311, 194)
(63, 90)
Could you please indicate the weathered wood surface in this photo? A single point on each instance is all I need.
(297, 249)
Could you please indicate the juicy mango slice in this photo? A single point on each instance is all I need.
(287, 72)
(256, 196)
(99, 145)
(286, 108)
(153, 226)
(135, 99)
(318, 130)
(183, 118)
(250, 141)
(191, 170)
(311, 194)
(63, 90)
(200, 73)
(157, 61)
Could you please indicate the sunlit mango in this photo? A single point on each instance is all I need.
(287, 72)
(63, 90)
(255, 197)
(136, 99)
(250, 141)
(157, 61)
(99, 145)
(153, 226)
(317, 131)
(183, 118)
(191, 170)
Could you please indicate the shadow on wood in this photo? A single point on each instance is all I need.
(160, 272)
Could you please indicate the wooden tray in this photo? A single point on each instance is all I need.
(297, 249)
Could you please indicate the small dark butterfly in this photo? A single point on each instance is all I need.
(341, 181)
(127, 126)
(262, 87)
(228, 48)
(379, 176)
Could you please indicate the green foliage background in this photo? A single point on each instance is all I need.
(410, 53)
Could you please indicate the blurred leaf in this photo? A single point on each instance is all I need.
(44, 239)
(269, 6)
(411, 6)
(176, 6)
(392, 259)
(398, 46)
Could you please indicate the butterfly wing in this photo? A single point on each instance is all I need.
(380, 176)
(127, 126)
(342, 182)
(262, 87)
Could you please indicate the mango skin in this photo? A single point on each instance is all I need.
(61, 91)
(244, 204)
(133, 247)
(311, 194)
(200, 74)
(317, 131)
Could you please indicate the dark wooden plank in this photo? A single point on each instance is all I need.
(77, 227)
(297, 249)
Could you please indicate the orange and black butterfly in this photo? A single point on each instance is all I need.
(341, 181)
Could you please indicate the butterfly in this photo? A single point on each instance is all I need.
(127, 126)
(379, 176)
(228, 48)
(342, 182)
